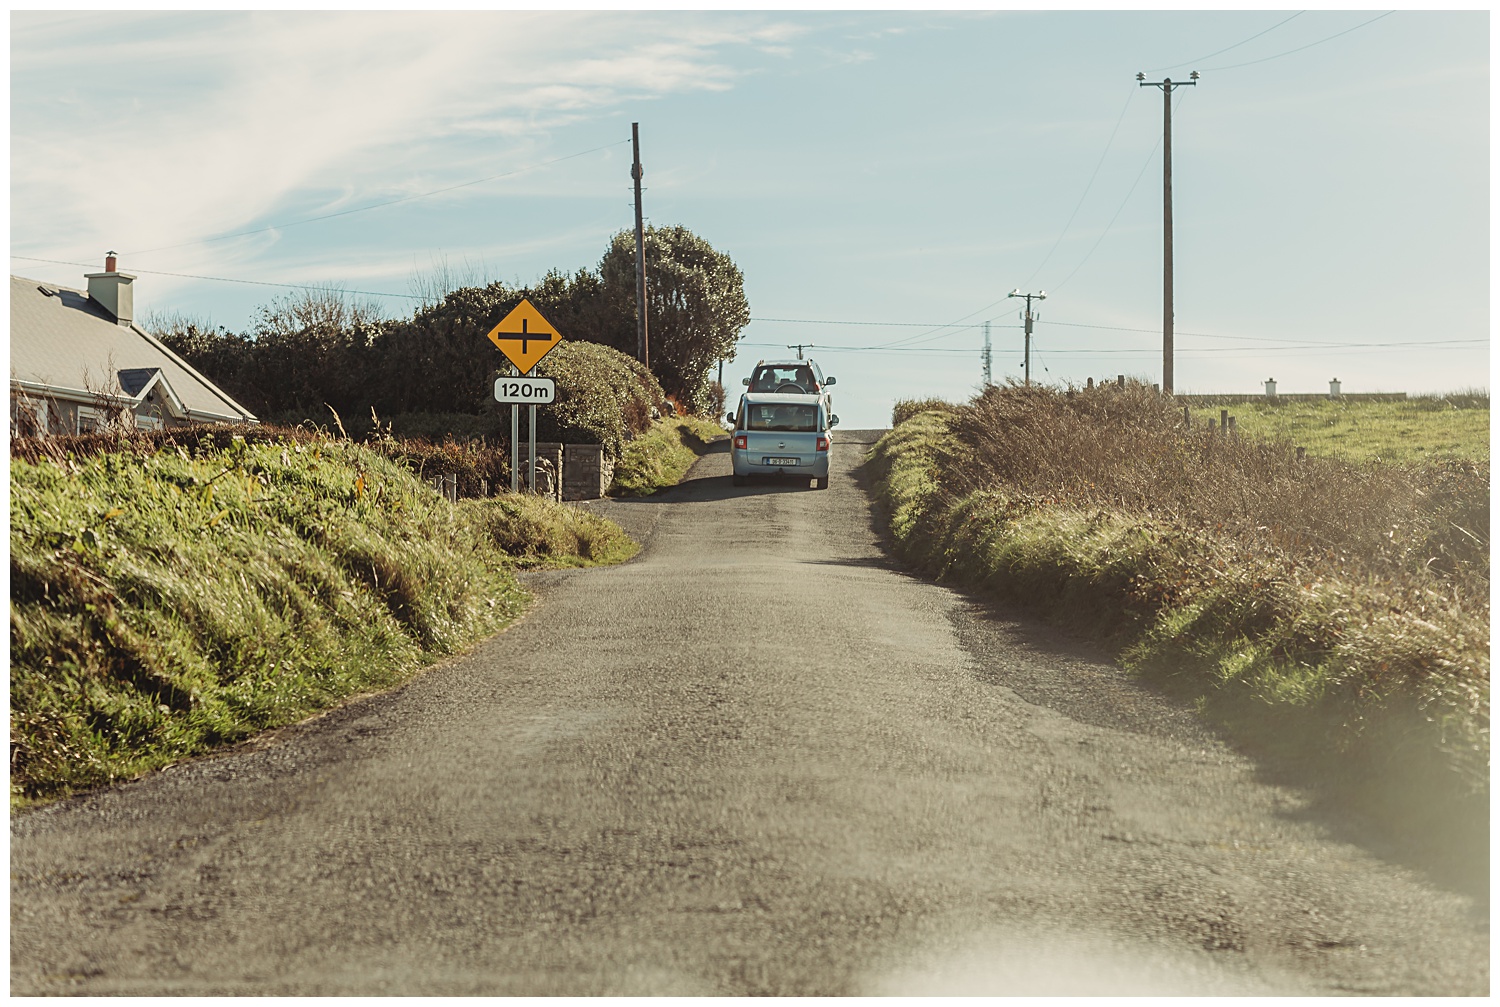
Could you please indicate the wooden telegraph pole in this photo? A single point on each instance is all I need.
(1167, 85)
(642, 338)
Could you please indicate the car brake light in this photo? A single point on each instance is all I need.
(822, 443)
(741, 442)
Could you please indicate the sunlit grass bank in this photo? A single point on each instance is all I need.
(167, 601)
(1328, 609)
(661, 457)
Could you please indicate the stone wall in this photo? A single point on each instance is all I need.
(549, 467)
(587, 473)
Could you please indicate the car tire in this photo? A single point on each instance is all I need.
(821, 484)
(737, 480)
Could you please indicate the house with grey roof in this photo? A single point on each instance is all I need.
(79, 362)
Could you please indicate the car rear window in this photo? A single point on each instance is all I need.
(768, 379)
(793, 417)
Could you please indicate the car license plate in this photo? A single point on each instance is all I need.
(780, 461)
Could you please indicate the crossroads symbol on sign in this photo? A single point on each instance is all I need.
(525, 336)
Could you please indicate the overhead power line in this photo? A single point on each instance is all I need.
(845, 321)
(374, 206)
(1121, 209)
(1252, 38)
(1147, 353)
(1309, 45)
(229, 279)
(1284, 342)
(1086, 189)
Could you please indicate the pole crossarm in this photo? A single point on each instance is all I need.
(1167, 83)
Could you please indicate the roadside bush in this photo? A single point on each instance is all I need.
(483, 469)
(532, 531)
(905, 409)
(603, 397)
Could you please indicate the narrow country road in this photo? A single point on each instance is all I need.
(757, 759)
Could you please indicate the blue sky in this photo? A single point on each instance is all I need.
(876, 175)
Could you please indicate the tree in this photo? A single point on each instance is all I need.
(695, 307)
(313, 348)
(438, 361)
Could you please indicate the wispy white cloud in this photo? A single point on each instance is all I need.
(142, 130)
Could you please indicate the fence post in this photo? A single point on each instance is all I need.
(1232, 428)
(1187, 417)
(1301, 453)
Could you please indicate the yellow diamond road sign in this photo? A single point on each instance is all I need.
(524, 336)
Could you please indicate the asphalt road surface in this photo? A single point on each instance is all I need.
(757, 759)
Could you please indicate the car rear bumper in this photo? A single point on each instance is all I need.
(814, 467)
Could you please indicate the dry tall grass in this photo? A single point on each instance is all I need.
(1349, 602)
(1126, 449)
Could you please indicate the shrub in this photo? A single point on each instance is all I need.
(482, 468)
(905, 409)
(603, 397)
(535, 532)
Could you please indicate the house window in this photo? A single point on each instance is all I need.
(28, 417)
(90, 419)
(143, 422)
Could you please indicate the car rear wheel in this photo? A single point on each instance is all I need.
(821, 484)
(737, 480)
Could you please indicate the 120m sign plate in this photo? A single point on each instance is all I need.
(525, 391)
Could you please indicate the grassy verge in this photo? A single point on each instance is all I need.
(1325, 611)
(164, 602)
(660, 457)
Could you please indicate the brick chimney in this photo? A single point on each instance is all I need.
(112, 290)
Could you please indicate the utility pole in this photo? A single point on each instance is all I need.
(986, 358)
(1166, 84)
(1041, 297)
(642, 338)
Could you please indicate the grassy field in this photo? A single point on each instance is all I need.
(1330, 610)
(1425, 428)
(168, 600)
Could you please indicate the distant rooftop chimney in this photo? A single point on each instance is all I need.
(112, 290)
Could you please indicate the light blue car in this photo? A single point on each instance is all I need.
(784, 435)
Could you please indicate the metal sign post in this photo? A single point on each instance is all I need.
(515, 443)
(531, 440)
(532, 391)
